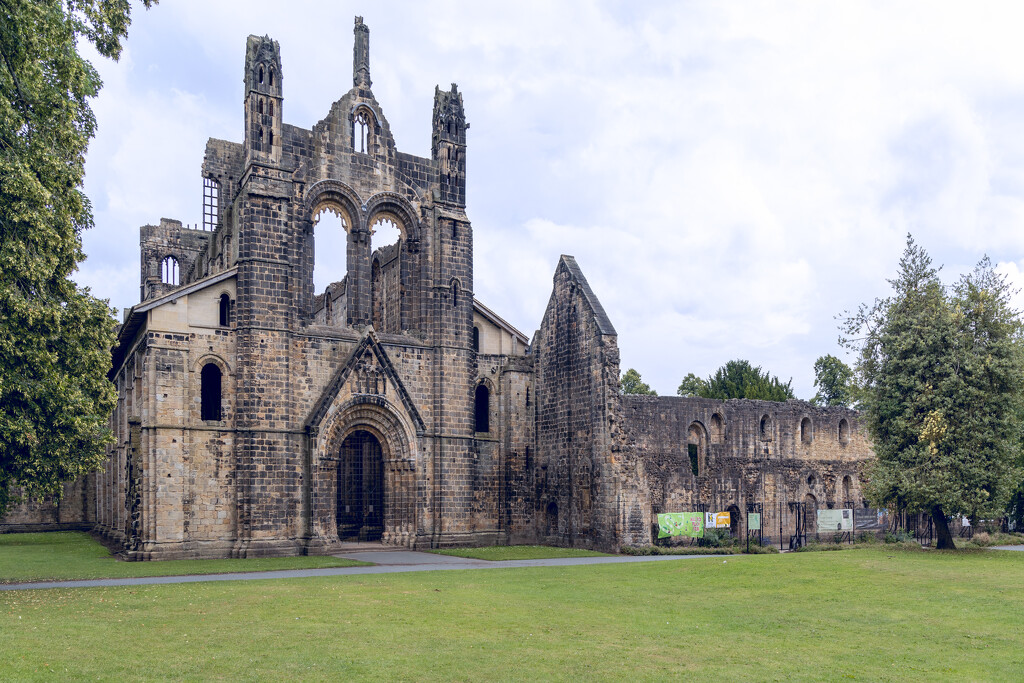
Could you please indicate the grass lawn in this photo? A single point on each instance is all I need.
(876, 614)
(64, 555)
(518, 552)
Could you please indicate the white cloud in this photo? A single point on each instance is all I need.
(729, 176)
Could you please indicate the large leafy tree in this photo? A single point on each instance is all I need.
(55, 338)
(943, 380)
(834, 380)
(632, 383)
(737, 379)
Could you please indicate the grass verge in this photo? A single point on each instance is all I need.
(69, 555)
(875, 614)
(518, 552)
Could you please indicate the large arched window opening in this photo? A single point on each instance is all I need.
(210, 393)
(806, 431)
(765, 428)
(330, 263)
(482, 408)
(847, 491)
(169, 271)
(697, 448)
(386, 275)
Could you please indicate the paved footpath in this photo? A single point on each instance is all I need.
(385, 562)
(1009, 547)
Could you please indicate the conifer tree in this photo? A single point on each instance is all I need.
(942, 376)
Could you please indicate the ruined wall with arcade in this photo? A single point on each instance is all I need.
(703, 454)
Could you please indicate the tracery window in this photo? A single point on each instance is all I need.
(361, 133)
(169, 271)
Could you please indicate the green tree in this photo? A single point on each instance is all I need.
(632, 384)
(55, 339)
(943, 380)
(738, 379)
(834, 380)
(692, 385)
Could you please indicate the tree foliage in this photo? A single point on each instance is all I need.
(834, 380)
(631, 383)
(737, 379)
(55, 338)
(943, 380)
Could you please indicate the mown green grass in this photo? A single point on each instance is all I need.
(878, 614)
(64, 555)
(518, 552)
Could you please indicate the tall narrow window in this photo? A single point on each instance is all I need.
(210, 393)
(211, 203)
(225, 310)
(169, 271)
(476, 339)
(270, 138)
(259, 106)
(261, 74)
(270, 107)
(361, 133)
(455, 292)
(483, 408)
(271, 77)
(806, 431)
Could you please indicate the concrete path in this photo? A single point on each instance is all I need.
(1019, 548)
(386, 562)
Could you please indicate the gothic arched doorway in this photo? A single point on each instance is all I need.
(360, 488)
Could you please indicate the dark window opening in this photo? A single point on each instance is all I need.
(844, 432)
(476, 339)
(270, 107)
(806, 431)
(694, 465)
(225, 310)
(455, 292)
(270, 137)
(271, 77)
(259, 106)
(210, 393)
(482, 410)
(261, 74)
(527, 397)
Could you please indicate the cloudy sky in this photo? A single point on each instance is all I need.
(730, 176)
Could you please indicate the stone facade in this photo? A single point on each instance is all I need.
(257, 416)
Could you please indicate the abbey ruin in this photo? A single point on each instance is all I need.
(257, 416)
